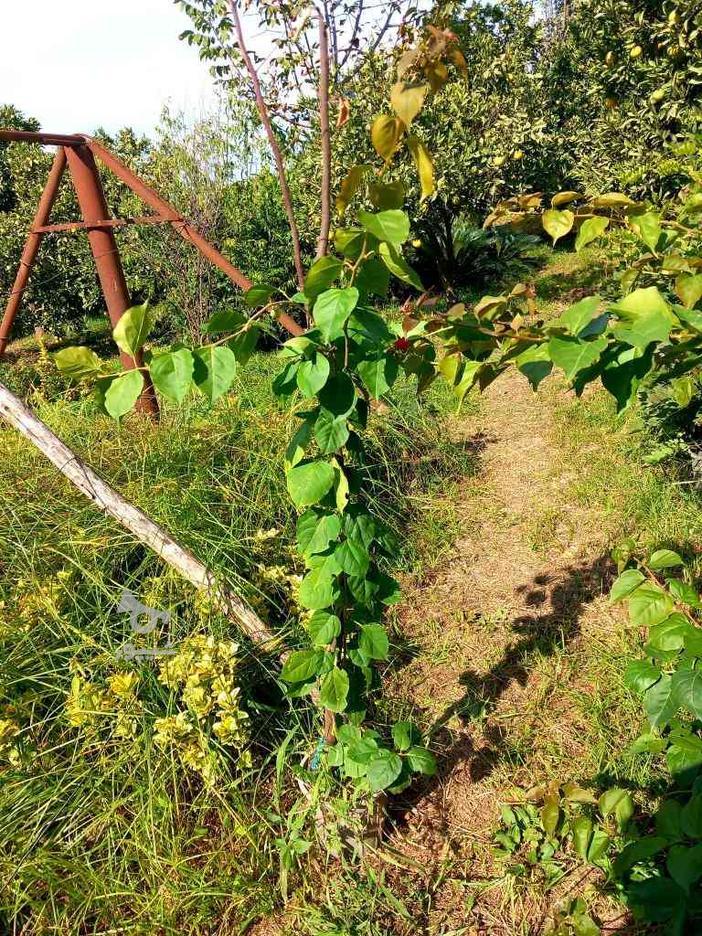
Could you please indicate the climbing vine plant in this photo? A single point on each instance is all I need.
(349, 357)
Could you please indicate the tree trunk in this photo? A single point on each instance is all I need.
(131, 518)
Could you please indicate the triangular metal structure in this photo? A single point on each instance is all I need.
(80, 153)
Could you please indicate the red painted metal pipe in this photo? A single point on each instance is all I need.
(31, 247)
(42, 139)
(93, 206)
(185, 230)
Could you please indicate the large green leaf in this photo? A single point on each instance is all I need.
(258, 295)
(244, 344)
(378, 374)
(670, 634)
(649, 605)
(644, 317)
(309, 481)
(383, 770)
(392, 225)
(664, 559)
(684, 755)
(133, 329)
(404, 735)
(398, 266)
(302, 665)
(349, 242)
(691, 817)
(352, 557)
(123, 392)
(338, 395)
(373, 278)
(535, 363)
(687, 690)
(312, 375)
(660, 703)
(341, 487)
(622, 375)
(228, 320)
(557, 223)
(579, 315)
(78, 363)
(589, 231)
(629, 580)
(685, 865)
(330, 431)
(318, 589)
(214, 370)
(647, 226)
(332, 309)
(573, 355)
(421, 761)
(640, 675)
(334, 690)
(373, 642)
(618, 803)
(316, 531)
(299, 442)
(321, 275)
(172, 373)
(323, 628)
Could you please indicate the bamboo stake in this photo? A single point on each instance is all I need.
(130, 517)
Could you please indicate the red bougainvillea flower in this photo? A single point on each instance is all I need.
(402, 344)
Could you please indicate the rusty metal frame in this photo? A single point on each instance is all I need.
(80, 153)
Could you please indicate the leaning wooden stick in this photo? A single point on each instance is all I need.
(130, 517)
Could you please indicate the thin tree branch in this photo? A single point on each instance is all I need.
(272, 140)
(354, 34)
(325, 141)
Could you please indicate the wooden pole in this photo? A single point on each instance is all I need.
(131, 518)
(31, 248)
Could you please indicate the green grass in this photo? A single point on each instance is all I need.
(104, 834)
(99, 828)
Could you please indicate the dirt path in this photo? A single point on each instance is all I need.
(499, 637)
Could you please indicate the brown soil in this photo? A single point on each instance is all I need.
(497, 633)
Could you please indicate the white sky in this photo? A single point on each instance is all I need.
(80, 64)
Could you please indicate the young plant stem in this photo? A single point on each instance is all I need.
(325, 137)
(263, 113)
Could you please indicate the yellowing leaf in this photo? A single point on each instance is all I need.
(425, 166)
(386, 133)
(557, 223)
(590, 230)
(407, 100)
(349, 187)
(688, 289)
(564, 198)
